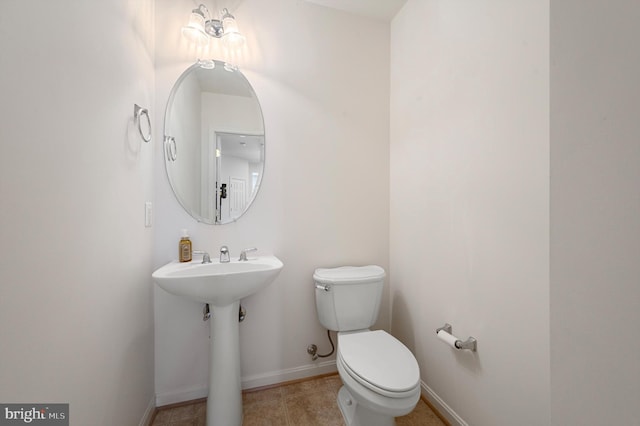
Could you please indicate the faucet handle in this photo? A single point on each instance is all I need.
(243, 253)
(224, 254)
(205, 256)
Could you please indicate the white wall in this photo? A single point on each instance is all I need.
(469, 224)
(324, 197)
(595, 213)
(76, 321)
(232, 114)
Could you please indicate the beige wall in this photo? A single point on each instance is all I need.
(322, 78)
(76, 321)
(469, 221)
(595, 213)
(551, 297)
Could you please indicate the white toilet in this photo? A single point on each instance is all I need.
(380, 375)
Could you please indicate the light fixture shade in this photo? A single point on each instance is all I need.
(194, 30)
(232, 37)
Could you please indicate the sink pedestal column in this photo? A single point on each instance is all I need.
(224, 404)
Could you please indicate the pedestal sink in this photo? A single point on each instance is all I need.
(221, 285)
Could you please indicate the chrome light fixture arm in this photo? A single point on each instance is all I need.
(213, 27)
(202, 24)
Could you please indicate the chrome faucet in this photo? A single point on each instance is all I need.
(205, 256)
(243, 253)
(224, 254)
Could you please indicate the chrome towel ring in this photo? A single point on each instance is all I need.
(170, 148)
(138, 112)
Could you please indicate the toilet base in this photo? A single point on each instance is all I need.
(355, 414)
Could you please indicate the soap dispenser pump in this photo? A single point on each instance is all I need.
(184, 248)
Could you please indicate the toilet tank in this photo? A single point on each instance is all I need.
(348, 297)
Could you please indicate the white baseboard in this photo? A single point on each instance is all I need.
(181, 395)
(250, 382)
(302, 372)
(442, 407)
(148, 414)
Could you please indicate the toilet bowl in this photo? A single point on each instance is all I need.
(381, 378)
(380, 375)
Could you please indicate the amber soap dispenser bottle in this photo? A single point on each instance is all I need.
(184, 248)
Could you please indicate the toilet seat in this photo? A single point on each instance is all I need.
(380, 362)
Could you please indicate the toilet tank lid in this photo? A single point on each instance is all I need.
(348, 274)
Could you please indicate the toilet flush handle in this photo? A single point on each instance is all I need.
(326, 287)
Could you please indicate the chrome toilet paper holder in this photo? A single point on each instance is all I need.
(470, 344)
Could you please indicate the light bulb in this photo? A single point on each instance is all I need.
(194, 30)
(233, 40)
(232, 37)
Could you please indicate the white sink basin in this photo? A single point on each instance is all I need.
(216, 283)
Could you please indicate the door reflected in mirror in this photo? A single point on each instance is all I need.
(239, 169)
(214, 142)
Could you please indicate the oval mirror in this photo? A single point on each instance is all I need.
(214, 142)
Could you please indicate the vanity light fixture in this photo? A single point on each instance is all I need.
(202, 26)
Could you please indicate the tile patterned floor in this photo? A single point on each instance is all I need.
(306, 403)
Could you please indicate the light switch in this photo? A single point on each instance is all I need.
(148, 214)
